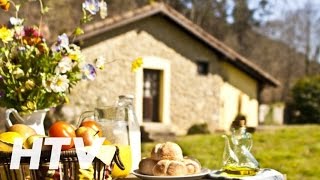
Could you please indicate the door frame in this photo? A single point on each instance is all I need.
(156, 63)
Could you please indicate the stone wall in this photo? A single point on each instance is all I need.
(194, 98)
(272, 114)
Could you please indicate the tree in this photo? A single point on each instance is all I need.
(242, 17)
(211, 15)
(299, 29)
(306, 100)
(246, 19)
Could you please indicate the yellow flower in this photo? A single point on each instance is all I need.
(29, 84)
(18, 73)
(66, 100)
(6, 34)
(3, 2)
(10, 66)
(31, 105)
(136, 64)
(5, 5)
(75, 53)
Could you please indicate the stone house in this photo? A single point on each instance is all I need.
(188, 77)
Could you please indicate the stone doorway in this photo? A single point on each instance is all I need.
(157, 70)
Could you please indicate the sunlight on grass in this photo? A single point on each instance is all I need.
(294, 150)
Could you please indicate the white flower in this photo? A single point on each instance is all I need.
(89, 72)
(100, 61)
(60, 83)
(64, 65)
(74, 53)
(91, 5)
(19, 32)
(46, 84)
(15, 21)
(103, 9)
(62, 43)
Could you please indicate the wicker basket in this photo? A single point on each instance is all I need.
(68, 169)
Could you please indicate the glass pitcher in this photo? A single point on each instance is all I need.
(115, 129)
(237, 158)
(125, 104)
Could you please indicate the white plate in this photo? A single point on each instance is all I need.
(190, 177)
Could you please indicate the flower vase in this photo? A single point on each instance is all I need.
(34, 120)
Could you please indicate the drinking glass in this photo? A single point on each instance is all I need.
(115, 130)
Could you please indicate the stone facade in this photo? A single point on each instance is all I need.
(194, 97)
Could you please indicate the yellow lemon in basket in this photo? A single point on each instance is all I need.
(106, 142)
(28, 144)
(7, 140)
(126, 159)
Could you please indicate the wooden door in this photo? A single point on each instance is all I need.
(151, 95)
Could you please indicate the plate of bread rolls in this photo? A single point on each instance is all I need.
(166, 161)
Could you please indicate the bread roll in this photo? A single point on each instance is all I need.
(168, 150)
(169, 168)
(146, 166)
(193, 166)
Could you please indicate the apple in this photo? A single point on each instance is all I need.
(87, 134)
(93, 125)
(63, 129)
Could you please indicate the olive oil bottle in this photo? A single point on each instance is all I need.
(238, 170)
(237, 158)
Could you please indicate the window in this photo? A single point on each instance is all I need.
(203, 67)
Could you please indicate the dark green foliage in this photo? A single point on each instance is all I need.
(306, 100)
(199, 129)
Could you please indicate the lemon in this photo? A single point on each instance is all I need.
(7, 140)
(106, 142)
(9, 137)
(126, 159)
(5, 147)
(28, 144)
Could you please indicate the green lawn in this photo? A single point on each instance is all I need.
(293, 150)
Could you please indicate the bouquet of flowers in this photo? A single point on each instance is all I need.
(34, 75)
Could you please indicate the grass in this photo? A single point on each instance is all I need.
(293, 150)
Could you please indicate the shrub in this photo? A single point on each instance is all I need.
(306, 100)
(199, 129)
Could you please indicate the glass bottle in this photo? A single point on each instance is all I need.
(125, 102)
(237, 158)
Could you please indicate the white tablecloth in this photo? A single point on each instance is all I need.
(263, 174)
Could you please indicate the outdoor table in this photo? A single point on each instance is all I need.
(265, 174)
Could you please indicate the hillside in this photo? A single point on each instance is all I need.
(281, 61)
